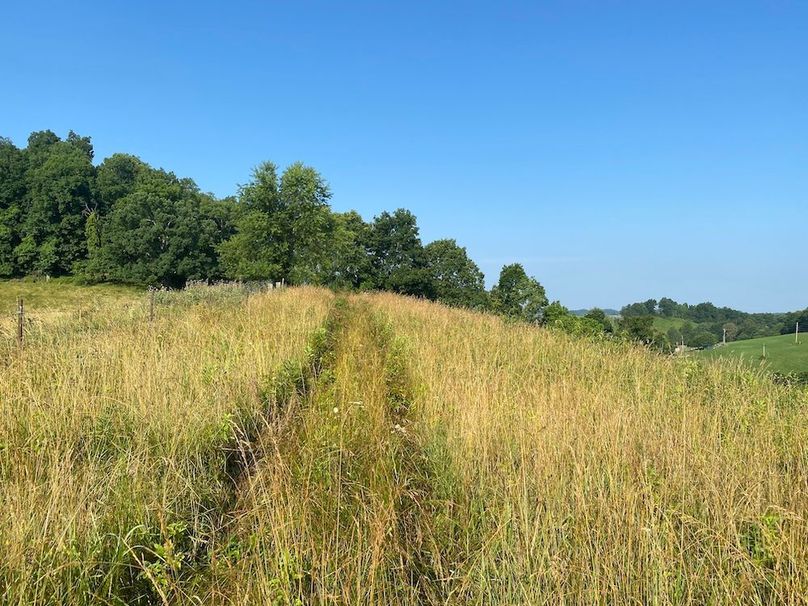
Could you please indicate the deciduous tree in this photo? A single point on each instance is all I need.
(457, 279)
(518, 295)
(397, 255)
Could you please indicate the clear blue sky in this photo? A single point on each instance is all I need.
(619, 150)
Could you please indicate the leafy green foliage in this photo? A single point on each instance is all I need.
(127, 222)
(397, 256)
(706, 322)
(12, 192)
(793, 319)
(283, 228)
(518, 296)
(347, 264)
(59, 182)
(256, 251)
(558, 316)
(638, 328)
(456, 278)
(599, 316)
(164, 232)
(116, 178)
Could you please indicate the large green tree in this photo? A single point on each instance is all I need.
(347, 264)
(59, 182)
(397, 255)
(307, 220)
(456, 278)
(12, 195)
(555, 314)
(116, 178)
(284, 229)
(518, 296)
(164, 232)
(599, 316)
(638, 328)
(257, 251)
(559, 317)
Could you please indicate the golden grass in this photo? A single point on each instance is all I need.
(60, 294)
(324, 517)
(600, 473)
(435, 456)
(112, 441)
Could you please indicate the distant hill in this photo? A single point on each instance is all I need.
(704, 324)
(783, 354)
(582, 312)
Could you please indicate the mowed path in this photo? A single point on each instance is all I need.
(337, 510)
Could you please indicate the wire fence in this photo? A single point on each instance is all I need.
(26, 324)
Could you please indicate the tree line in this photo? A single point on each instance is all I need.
(125, 221)
(706, 324)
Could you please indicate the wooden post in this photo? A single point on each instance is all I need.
(20, 322)
(797, 334)
(151, 304)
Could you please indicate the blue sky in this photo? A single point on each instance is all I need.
(619, 150)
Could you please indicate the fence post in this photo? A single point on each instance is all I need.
(20, 322)
(151, 304)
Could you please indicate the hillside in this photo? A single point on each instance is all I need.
(704, 324)
(663, 325)
(60, 294)
(582, 312)
(298, 447)
(783, 355)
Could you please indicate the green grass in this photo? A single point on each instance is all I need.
(59, 293)
(782, 353)
(663, 325)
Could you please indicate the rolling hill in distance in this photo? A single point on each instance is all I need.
(783, 354)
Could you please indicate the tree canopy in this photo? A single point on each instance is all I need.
(705, 319)
(456, 278)
(123, 220)
(397, 258)
(519, 296)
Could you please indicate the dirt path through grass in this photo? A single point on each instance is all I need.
(338, 509)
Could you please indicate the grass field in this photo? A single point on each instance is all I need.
(783, 354)
(59, 294)
(60, 302)
(297, 447)
(663, 325)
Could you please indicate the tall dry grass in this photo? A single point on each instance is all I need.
(329, 514)
(585, 473)
(114, 434)
(282, 448)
